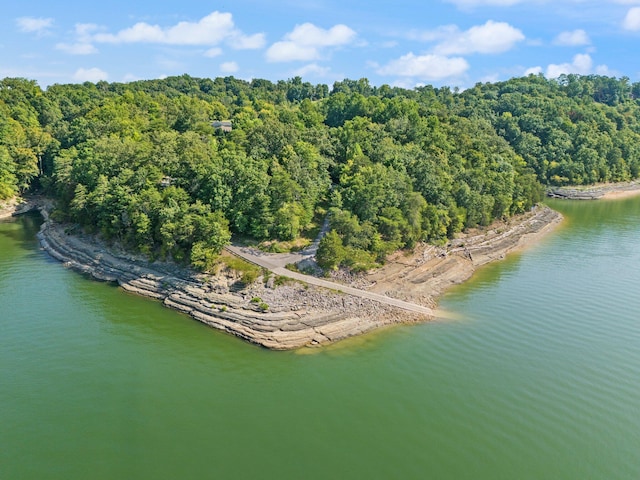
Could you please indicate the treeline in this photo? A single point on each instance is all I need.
(143, 164)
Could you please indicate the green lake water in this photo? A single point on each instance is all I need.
(538, 378)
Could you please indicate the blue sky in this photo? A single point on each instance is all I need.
(400, 42)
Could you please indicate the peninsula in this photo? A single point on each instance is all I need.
(208, 193)
(282, 309)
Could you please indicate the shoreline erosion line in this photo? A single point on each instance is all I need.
(303, 310)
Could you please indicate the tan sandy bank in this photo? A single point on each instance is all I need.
(598, 191)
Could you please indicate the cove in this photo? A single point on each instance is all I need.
(538, 378)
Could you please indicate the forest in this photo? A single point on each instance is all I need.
(174, 168)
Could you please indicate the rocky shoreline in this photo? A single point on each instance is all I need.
(595, 192)
(297, 315)
(18, 206)
(431, 270)
(289, 314)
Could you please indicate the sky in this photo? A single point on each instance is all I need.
(406, 43)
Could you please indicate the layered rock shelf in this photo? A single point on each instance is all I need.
(595, 192)
(292, 314)
(285, 317)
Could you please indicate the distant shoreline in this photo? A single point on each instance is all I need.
(604, 191)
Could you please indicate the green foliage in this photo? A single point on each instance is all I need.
(249, 272)
(141, 163)
(330, 251)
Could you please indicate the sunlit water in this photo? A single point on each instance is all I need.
(538, 379)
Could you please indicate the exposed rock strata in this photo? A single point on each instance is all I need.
(595, 192)
(426, 274)
(18, 206)
(296, 314)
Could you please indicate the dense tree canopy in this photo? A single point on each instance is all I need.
(145, 164)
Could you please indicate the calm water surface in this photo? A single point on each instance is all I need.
(540, 377)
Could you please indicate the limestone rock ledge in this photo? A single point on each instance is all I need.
(297, 315)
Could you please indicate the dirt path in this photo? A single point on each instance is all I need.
(265, 261)
(306, 255)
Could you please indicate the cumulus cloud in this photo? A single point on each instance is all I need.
(436, 34)
(313, 69)
(309, 34)
(289, 52)
(229, 67)
(582, 64)
(572, 38)
(210, 30)
(248, 42)
(90, 75)
(533, 70)
(632, 19)
(85, 30)
(307, 41)
(213, 52)
(77, 48)
(425, 67)
(492, 37)
(34, 25)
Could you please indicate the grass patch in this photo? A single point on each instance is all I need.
(249, 271)
(280, 246)
(280, 280)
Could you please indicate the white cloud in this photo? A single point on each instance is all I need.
(442, 32)
(313, 69)
(77, 48)
(84, 30)
(573, 38)
(229, 67)
(90, 75)
(582, 64)
(213, 52)
(248, 42)
(492, 37)
(306, 41)
(208, 31)
(425, 67)
(632, 19)
(289, 52)
(309, 34)
(606, 71)
(31, 24)
(533, 71)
